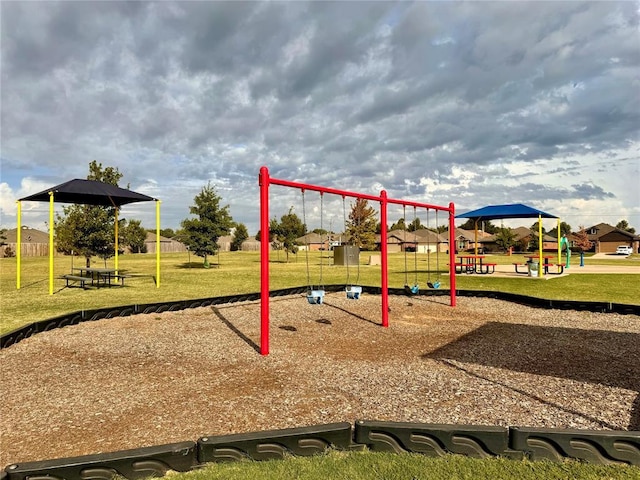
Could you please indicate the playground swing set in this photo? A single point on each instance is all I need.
(316, 293)
(415, 288)
(431, 284)
(353, 290)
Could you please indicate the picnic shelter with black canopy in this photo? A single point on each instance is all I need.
(85, 192)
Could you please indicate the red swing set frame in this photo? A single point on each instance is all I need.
(265, 181)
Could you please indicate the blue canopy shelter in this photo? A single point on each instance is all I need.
(513, 210)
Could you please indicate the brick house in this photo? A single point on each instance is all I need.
(606, 238)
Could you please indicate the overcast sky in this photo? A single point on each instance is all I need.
(474, 103)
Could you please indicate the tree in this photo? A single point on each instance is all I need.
(399, 225)
(534, 241)
(565, 229)
(87, 230)
(581, 240)
(534, 228)
(201, 234)
(415, 225)
(165, 232)
(240, 234)
(132, 235)
(287, 231)
(505, 238)
(624, 225)
(7, 251)
(488, 226)
(361, 226)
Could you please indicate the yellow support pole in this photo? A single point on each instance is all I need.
(51, 243)
(157, 243)
(559, 246)
(475, 239)
(540, 267)
(18, 244)
(116, 241)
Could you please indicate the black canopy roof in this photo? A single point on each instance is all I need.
(89, 192)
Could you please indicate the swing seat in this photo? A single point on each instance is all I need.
(412, 290)
(435, 284)
(314, 297)
(353, 291)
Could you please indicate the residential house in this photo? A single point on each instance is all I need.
(606, 238)
(34, 243)
(167, 245)
(466, 239)
(313, 242)
(423, 240)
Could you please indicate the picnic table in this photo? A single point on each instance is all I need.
(473, 264)
(96, 276)
(546, 264)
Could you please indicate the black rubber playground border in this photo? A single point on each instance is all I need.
(26, 331)
(480, 441)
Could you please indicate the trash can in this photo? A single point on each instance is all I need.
(532, 267)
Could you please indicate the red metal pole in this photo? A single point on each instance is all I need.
(452, 253)
(264, 260)
(384, 278)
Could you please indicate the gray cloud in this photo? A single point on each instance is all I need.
(353, 95)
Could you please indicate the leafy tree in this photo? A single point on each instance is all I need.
(287, 231)
(362, 224)
(534, 228)
(201, 234)
(7, 251)
(87, 230)
(399, 225)
(505, 238)
(165, 232)
(581, 240)
(442, 228)
(488, 226)
(132, 235)
(624, 225)
(414, 225)
(565, 229)
(534, 244)
(240, 234)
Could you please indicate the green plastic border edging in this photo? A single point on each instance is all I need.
(600, 447)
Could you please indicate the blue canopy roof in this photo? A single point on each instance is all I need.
(513, 210)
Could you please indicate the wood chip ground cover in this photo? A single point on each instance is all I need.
(151, 379)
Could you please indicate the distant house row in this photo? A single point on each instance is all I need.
(604, 239)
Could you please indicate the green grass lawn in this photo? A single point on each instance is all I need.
(393, 466)
(183, 277)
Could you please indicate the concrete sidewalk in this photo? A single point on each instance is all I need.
(509, 270)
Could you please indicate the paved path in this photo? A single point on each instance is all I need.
(508, 270)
